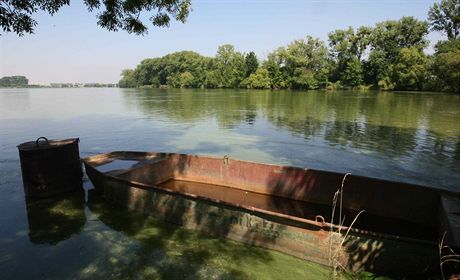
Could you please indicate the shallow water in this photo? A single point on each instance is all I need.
(410, 137)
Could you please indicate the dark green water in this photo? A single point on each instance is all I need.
(410, 137)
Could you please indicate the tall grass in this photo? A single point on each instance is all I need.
(336, 238)
(447, 256)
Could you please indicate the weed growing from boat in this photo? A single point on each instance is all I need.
(446, 255)
(336, 239)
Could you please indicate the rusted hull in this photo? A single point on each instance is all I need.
(253, 223)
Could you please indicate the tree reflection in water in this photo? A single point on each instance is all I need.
(414, 131)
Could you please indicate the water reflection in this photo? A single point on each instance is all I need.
(17, 98)
(55, 219)
(392, 124)
(394, 141)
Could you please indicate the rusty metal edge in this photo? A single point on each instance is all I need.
(323, 226)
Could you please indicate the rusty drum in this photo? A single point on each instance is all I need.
(50, 167)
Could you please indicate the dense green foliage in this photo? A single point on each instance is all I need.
(445, 17)
(14, 81)
(258, 80)
(180, 69)
(301, 65)
(389, 56)
(447, 65)
(16, 15)
(251, 63)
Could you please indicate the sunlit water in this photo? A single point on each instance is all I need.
(410, 137)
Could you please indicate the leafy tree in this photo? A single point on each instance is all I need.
(230, 66)
(17, 15)
(304, 79)
(251, 63)
(362, 41)
(128, 80)
(386, 83)
(445, 17)
(353, 73)
(390, 36)
(308, 59)
(146, 72)
(347, 48)
(305, 63)
(178, 63)
(14, 81)
(212, 79)
(181, 80)
(347, 44)
(376, 67)
(340, 50)
(447, 46)
(407, 71)
(411, 69)
(341, 43)
(275, 65)
(447, 65)
(387, 40)
(258, 80)
(179, 69)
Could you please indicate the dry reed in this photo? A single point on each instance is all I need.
(450, 257)
(336, 239)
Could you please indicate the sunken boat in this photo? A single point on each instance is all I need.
(329, 218)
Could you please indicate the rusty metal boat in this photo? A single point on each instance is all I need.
(287, 209)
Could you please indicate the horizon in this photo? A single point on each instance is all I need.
(69, 47)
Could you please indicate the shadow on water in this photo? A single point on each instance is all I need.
(55, 219)
(171, 252)
(362, 250)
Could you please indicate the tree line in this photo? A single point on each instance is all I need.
(14, 81)
(389, 56)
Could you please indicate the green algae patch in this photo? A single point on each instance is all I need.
(55, 219)
(167, 251)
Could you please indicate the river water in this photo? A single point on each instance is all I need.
(401, 136)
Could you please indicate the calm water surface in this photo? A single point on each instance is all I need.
(410, 137)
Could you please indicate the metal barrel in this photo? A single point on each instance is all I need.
(50, 167)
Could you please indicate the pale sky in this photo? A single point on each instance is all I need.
(70, 47)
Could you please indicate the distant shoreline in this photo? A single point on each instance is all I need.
(84, 86)
(245, 89)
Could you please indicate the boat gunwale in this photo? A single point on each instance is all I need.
(88, 161)
(117, 154)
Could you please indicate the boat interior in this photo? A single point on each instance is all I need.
(390, 208)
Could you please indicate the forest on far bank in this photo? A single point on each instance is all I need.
(389, 56)
(14, 81)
